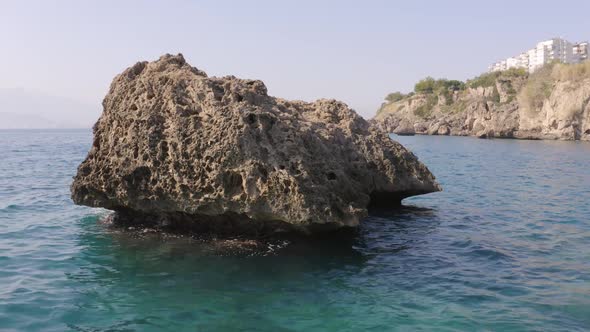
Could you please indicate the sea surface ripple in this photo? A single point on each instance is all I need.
(505, 247)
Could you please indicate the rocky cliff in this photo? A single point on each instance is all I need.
(552, 103)
(176, 148)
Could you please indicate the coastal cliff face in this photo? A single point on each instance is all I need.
(174, 147)
(551, 104)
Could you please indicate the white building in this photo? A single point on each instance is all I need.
(556, 49)
(581, 51)
(498, 66)
(519, 61)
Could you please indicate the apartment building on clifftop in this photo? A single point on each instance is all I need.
(556, 49)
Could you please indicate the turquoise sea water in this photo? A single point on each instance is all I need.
(506, 247)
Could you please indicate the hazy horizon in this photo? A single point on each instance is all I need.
(60, 57)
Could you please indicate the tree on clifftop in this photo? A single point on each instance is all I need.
(395, 96)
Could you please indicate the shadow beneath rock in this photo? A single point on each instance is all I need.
(337, 242)
(348, 244)
(401, 210)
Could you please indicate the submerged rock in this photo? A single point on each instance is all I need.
(176, 148)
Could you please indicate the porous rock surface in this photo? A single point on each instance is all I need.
(175, 147)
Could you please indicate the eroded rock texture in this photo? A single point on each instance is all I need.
(175, 147)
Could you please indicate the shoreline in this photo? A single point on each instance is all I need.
(493, 137)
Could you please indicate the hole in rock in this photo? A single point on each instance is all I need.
(139, 174)
(218, 92)
(163, 149)
(232, 183)
(251, 118)
(263, 173)
(331, 176)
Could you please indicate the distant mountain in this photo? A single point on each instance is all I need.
(20, 108)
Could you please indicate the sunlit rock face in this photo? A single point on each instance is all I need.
(174, 147)
(501, 111)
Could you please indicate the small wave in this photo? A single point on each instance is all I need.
(490, 254)
(462, 244)
(12, 208)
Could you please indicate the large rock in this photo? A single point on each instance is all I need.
(175, 147)
(405, 128)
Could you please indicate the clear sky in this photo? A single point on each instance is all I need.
(355, 51)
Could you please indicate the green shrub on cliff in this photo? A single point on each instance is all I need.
(395, 96)
(484, 80)
(422, 111)
(487, 80)
(454, 85)
(430, 85)
(511, 91)
(514, 72)
(495, 95)
(425, 85)
(538, 87)
(459, 106)
(425, 110)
